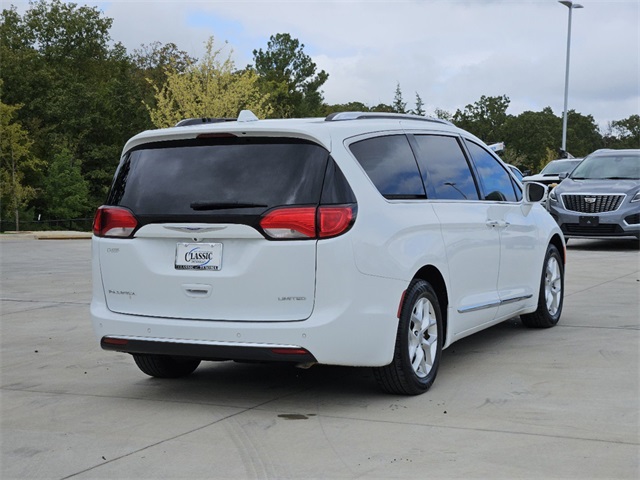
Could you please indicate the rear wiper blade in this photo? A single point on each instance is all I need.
(199, 206)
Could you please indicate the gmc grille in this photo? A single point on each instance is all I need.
(592, 203)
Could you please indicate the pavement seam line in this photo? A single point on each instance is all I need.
(256, 407)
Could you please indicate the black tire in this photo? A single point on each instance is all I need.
(551, 296)
(166, 366)
(406, 374)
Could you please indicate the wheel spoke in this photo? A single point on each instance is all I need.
(423, 334)
(553, 286)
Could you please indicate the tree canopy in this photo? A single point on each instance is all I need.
(208, 88)
(290, 77)
(71, 95)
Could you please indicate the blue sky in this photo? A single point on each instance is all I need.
(449, 51)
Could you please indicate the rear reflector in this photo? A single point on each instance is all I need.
(289, 351)
(115, 341)
(114, 222)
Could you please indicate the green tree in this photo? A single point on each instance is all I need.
(399, 105)
(78, 88)
(66, 191)
(209, 88)
(583, 134)
(153, 61)
(16, 160)
(383, 107)
(624, 133)
(290, 77)
(443, 114)
(530, 136)
(345, 107)
(419, 110)
(484, 118)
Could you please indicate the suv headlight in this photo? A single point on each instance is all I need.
(554, 198)
(636, 197)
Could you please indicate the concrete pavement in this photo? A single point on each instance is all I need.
(508, 402)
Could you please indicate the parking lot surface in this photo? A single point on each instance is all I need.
(509, 402)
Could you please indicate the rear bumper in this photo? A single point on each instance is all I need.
(207, 350)
(350, 330)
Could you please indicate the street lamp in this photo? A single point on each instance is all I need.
(570, 5)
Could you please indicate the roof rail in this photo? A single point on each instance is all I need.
(340, 116)
(187, 122)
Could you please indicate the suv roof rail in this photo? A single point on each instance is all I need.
(199, 121)
(340, 116)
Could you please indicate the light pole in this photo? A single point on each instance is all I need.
(570, 5)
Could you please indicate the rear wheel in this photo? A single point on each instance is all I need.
(166, 366)
(551, 296)
(418, 343)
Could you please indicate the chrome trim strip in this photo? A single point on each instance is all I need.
(474, 308)
(515, 299)
(484, 306)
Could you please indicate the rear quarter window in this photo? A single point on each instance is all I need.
(390, 164)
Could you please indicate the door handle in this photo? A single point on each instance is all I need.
(497, 224)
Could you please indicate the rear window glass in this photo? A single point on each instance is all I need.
(247, 175)
(391, 166)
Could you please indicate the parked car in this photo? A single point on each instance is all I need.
(550, 174)
(601, 197)
(516, 172)
(362, 239)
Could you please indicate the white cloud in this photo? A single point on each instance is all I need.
(450, 52)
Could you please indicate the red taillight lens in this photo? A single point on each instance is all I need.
(334, 220)
(114, 222)
(308, 222)
(290, 223)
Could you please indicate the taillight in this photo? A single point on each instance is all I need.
(114, 222)
(290, 223)
(334, 220)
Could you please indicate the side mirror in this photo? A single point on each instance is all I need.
(535, 192)
(563, 175)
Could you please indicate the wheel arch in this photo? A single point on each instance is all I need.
(560, 245)
(432, 275)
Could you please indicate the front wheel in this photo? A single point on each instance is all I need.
(166, 366)
(551, 296)
(418, 343)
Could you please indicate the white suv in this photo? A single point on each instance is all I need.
(358, 239)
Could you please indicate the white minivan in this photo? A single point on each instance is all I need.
(359, 239)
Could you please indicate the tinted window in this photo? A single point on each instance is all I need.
(446, 170)
(495, 182)
(170, 178)
(336, 189)
(391, 166)
(615, 166)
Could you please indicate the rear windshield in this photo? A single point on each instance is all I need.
(219, 176)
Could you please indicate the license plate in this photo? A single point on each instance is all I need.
(589, 221)
(198, 256)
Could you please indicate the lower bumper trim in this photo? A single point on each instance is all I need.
(207, 351)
